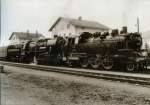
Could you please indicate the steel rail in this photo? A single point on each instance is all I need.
(135, 79)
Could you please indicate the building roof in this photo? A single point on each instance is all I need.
(81, 23)
(26, 35)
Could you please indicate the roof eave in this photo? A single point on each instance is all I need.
(11, 35)
(55, 23)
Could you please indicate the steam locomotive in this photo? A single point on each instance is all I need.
(22, 52)
(107, 50)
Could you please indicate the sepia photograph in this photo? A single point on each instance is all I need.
(75, 52)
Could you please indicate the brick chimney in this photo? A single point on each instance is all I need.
(36, 33)
(80, 18)
(28, 33)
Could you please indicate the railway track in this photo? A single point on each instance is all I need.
(142, 79)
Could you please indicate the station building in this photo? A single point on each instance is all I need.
(67, 26)
(21, 37)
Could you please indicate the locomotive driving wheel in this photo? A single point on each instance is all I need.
(143, 66)
(130, 66)
(107, 63)
(95, 62)
(69, 63)
(84, 62)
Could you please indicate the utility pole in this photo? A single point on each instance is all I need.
(0, 22)
(138, 25)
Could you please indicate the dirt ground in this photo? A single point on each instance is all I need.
(21, 86)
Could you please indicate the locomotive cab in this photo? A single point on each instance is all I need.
(71, 52)
(72, 42)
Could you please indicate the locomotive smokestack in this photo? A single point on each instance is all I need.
(124, 30)
(114, 32)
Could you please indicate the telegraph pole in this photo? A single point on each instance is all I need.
(138, 25)
(0, 21)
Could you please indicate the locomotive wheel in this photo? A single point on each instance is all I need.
(143, 66)
(39, 62)
(107, 63)
(84, 62)
(95, 63)
(69, 63)
(130, 66)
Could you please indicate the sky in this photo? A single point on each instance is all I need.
(32, 15)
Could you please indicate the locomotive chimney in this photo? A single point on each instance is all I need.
(114, 32)
(124, 30)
